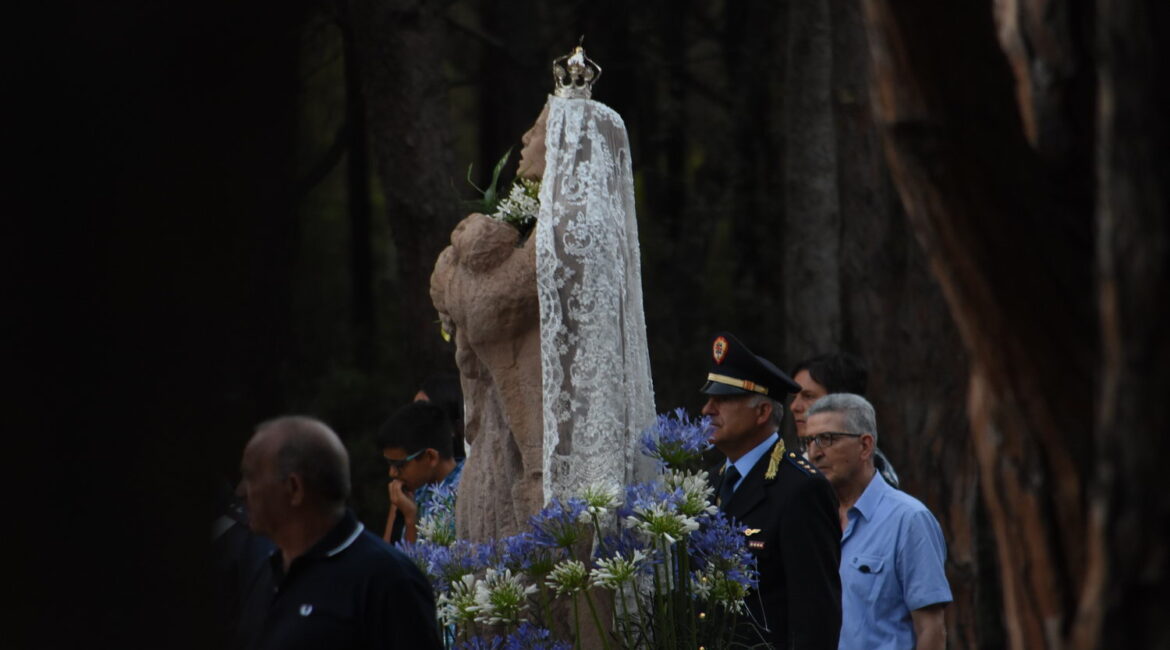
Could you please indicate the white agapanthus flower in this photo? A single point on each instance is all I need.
(437, 528)
(697, 492)
(457, 606)
(599, 499)
(569, 577)
(501, 598)
(701, 585)
(618, 571)
(661, 521)
(715, 585)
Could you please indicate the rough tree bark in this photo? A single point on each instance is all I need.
(813, 214)
(398, 44)
(893, 314)
(358, 200)
(1008, 232)
(1130, 511)
(856, 281)
(754, 69)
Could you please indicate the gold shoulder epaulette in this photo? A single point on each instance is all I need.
(774, 461)
(801, 463)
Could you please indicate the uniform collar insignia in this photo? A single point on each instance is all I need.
(774, 461)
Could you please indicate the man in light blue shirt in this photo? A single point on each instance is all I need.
(893, 581)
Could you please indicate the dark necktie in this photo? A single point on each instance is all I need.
(730, 478)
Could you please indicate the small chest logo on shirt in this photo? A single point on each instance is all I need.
(306, 609)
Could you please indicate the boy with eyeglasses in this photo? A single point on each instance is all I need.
(417, 444)
(893, 579)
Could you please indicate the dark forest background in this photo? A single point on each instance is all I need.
(234, 209)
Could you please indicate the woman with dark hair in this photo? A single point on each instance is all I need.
(825, 374)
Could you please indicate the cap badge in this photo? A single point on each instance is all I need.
(719, 349)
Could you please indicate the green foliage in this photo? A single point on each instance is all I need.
(490, 198)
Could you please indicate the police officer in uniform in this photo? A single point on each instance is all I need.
(789, 508)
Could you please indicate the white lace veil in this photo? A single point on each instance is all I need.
(595, 366)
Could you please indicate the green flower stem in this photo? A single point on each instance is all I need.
(659, 613)
(731, 629)
(597, 620)
(669, 617)
(716, 625)
(597, 531)
(576, 623)
(625, 614)
(642, 618)
(545, 604)
(684, 580)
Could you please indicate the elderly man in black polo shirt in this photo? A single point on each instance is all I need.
(330, 583)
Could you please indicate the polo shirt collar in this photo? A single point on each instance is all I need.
(344, 533)
(871, 498)
(339, 538)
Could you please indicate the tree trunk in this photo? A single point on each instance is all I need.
(812, 227)
(893, 314)
(1129, 578)
(399, 45)
(357, 183)
(755, 186)
(1014, 263)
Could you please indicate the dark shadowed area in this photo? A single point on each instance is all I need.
(228, 211)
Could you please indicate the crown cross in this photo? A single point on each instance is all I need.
(575, 74)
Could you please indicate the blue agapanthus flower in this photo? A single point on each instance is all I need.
(642, 496)
(446, 564)
(721, 541)
(480, 643)
(523, 552)
(676, 440)
(526, 637)
(531, 637)
(622, 542)
(559, 524)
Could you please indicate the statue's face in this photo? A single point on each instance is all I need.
(532, 155)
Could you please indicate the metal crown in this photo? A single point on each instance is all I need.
(575, 75)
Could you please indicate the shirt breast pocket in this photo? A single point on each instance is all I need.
(865, 575)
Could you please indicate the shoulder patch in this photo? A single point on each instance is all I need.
(799, 462)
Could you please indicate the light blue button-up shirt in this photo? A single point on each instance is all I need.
(747, 461)
(892, 562)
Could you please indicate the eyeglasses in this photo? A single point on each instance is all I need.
(399, 464)
(824, 440)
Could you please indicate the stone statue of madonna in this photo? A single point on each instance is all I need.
(551, 335)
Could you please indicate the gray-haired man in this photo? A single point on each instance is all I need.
(893, 582)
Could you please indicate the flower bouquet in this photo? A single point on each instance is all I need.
(654, 565)
(518, 209)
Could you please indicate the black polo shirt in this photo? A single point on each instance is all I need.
(351, 590)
